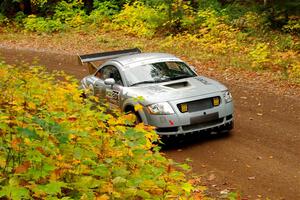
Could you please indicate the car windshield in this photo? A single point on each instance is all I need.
(158, 72)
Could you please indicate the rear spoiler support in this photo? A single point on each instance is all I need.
(90, 58)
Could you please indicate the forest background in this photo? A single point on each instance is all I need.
(256, 35)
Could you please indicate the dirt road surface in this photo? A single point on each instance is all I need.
(261, 156)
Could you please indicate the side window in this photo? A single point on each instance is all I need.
(110, 72)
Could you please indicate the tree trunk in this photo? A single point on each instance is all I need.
(88, 4)
(25, 6)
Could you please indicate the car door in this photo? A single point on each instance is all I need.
(111, 92)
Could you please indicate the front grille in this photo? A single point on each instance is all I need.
(167, 129)
(198, 105)
(203, 124)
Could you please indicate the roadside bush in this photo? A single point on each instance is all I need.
(54, 146)
(284, 42)
(70, 13)
(19, 17)
(139, 19)
(3, 20)
(237, 10)
(211, 4)
(294, 71)
(103, 11)
(252, 23)
(293, 26)
(42, 25)
(208, 18)
(181, 17)
(260, 55)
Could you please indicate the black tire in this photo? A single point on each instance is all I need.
(138, 118)
(227, 128)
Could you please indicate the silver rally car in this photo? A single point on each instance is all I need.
(174, 98)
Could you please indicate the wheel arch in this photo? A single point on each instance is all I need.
(129, 107)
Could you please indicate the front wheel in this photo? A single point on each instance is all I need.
(227, 128)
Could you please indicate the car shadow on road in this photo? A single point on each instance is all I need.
(182, 141)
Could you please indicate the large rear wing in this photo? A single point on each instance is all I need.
(90, 58)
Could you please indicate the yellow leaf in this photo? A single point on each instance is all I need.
(31, 106)
(71, 136)
(59, 157)
(102, 197)
(138, 107)
(15, 143)
(27, 141)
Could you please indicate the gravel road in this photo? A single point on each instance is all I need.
(261, 156)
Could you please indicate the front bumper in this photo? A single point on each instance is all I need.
(225, 123)
(212, 119)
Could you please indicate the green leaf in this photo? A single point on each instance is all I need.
(233, 196)
(184, 166)
(119, 180)
(28, 133)
(63, 138)
(85, 182)
(187, 187)
(14, 192)
(48, 168)
(101, 171)
(52, 188)
(143, 194)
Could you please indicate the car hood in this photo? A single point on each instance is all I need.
(179, 89)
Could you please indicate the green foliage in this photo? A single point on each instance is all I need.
(293, 26)
(181, 17)
(56, 145)
(294, 72)
(236, 10)
(67, 14)
(216, 28)
(208, 18)
(38, 3)
(252, 22)
(284, 42)
(260, 55)
(103, 11)
(41, 25)
(211, 4)
(3, 20)
(19, 17)
(139, 19)
(233, 196)
(70, 13)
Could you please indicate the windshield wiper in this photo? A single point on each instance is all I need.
(151, 81)
(142, 82)
(181, 76)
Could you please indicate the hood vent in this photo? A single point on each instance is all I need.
(178, 85)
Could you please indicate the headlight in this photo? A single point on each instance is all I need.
(160, 109)
(227, 96)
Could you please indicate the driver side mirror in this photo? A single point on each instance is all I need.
(109, 81)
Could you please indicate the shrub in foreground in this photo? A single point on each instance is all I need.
(54, 146)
